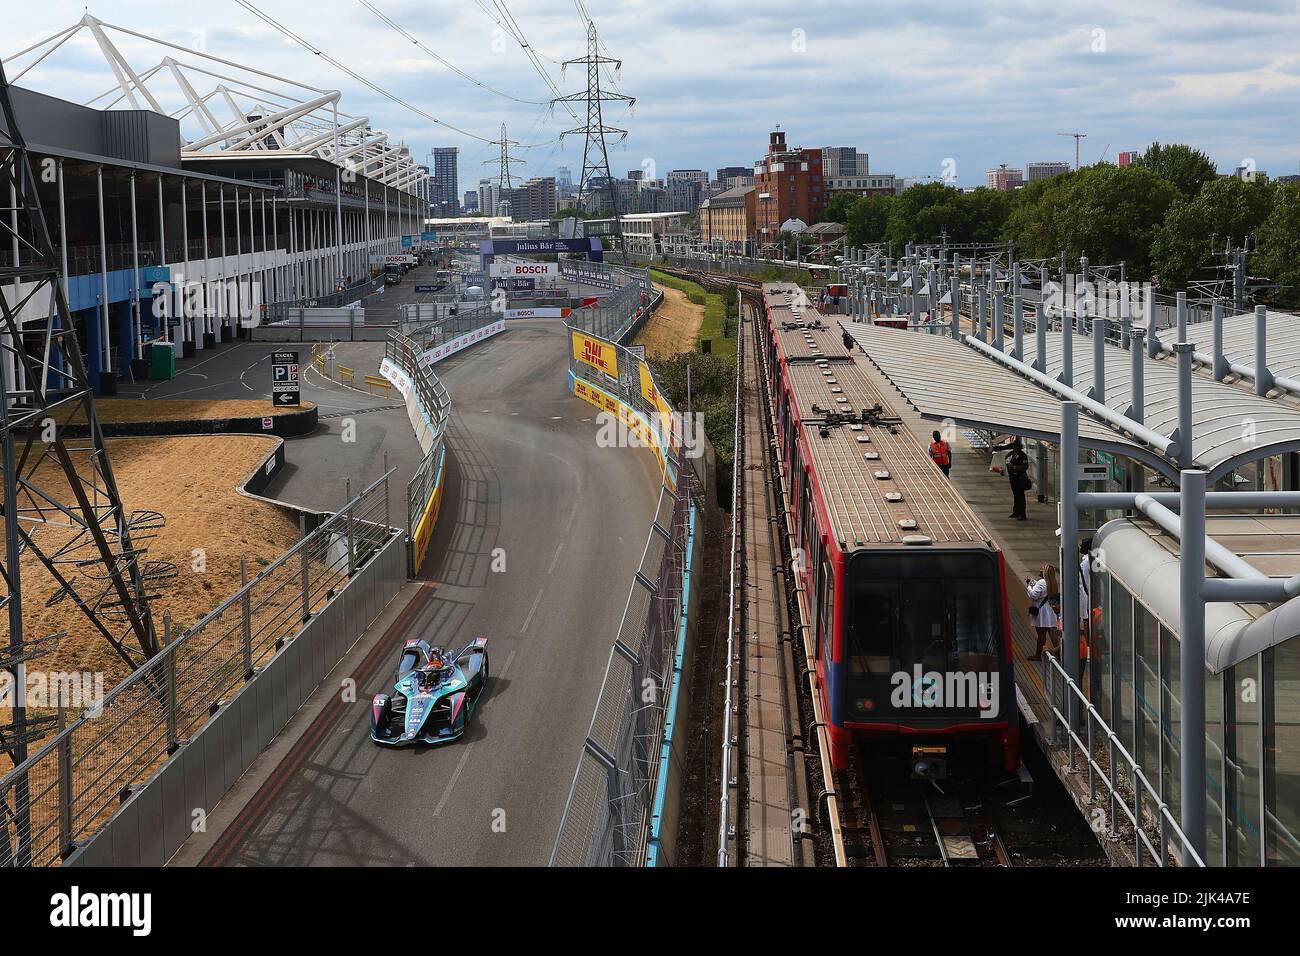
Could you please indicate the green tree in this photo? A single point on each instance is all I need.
(1107, 212)
(1187, 168)
(1196, 229)
(1278, 244)
(910, 219)
(840, 208)
(867, 220)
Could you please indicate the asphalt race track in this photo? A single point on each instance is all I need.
(527, 484)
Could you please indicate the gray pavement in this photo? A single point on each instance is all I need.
(528, 487)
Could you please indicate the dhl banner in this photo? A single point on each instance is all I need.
(633, 420)
(667, 421)
(596, 353)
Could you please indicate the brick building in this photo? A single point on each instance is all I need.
(788, 185)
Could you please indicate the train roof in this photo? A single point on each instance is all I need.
(877, 482)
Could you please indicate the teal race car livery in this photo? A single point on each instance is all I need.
(434, 696)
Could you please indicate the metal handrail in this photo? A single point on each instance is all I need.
(737, 457)
(1142, 785)
(173, 697)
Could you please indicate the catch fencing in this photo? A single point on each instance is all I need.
(620, 314)
(68, 790)
(607, 818)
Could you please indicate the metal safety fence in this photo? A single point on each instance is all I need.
(63, 794)
(607, 817)
(433, 403)
(1133, 808)
(621, 313)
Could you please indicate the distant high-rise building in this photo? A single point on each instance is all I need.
(563, 177)
(487, 197)
(427, 190)
(1036, 171)
(470, 202)
(731, 172)
(446, 179)
(697, 176)
(1005, 178)
(844, 161)
(1129, 157)
(636, 175)
(534, 201)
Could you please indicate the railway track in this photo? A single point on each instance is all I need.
(896, 821)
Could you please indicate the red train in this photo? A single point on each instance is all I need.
(906, 588)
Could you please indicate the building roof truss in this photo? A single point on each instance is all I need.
(238, 116)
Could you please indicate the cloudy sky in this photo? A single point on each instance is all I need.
(913, 82)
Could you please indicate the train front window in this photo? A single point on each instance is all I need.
(923, 636)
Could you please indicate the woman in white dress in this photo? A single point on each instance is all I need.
(1043, 594)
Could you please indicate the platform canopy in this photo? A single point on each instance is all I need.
(943, 379)
(1146, 561)
(1230, 427)
(1282, 340)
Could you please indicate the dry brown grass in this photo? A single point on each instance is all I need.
(674, 328)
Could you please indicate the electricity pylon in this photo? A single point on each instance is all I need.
(595, 153)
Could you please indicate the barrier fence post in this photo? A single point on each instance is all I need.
(306, 588)
(352, 552)
(169, 665)
(65, 784)
(247, 615)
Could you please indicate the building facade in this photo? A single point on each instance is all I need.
(844, 162)
(652, 233)
(789, 186)
(1005, 178)
(727, 221)
(878, 184)
(1036, 171)
(191, 248)
(446, 180)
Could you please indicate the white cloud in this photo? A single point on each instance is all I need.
(911, 83)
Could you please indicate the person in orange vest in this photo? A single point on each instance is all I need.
(941, 454)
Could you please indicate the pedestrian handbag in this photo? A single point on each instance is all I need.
(1021, 482)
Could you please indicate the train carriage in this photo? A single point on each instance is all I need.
(906, 590)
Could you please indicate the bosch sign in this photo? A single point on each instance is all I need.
(516, 270)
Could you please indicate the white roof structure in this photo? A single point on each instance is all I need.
(1230, 427)
(244, 111)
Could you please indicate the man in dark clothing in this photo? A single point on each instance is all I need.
(1018, 476)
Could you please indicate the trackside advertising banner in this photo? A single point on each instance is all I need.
(544, 313)
(423, 531)
(524, 270)
(600, 355)
(669, 425)
(636, 423)
(452, 346)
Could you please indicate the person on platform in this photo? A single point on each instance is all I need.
(941, 453)
(1043, 597)
(1017, 469)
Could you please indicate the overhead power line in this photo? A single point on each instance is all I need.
(312, 48)
(442, 60)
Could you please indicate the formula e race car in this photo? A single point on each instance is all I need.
(434, 697)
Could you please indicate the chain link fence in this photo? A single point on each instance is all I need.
(68, 790)
(607, 817)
